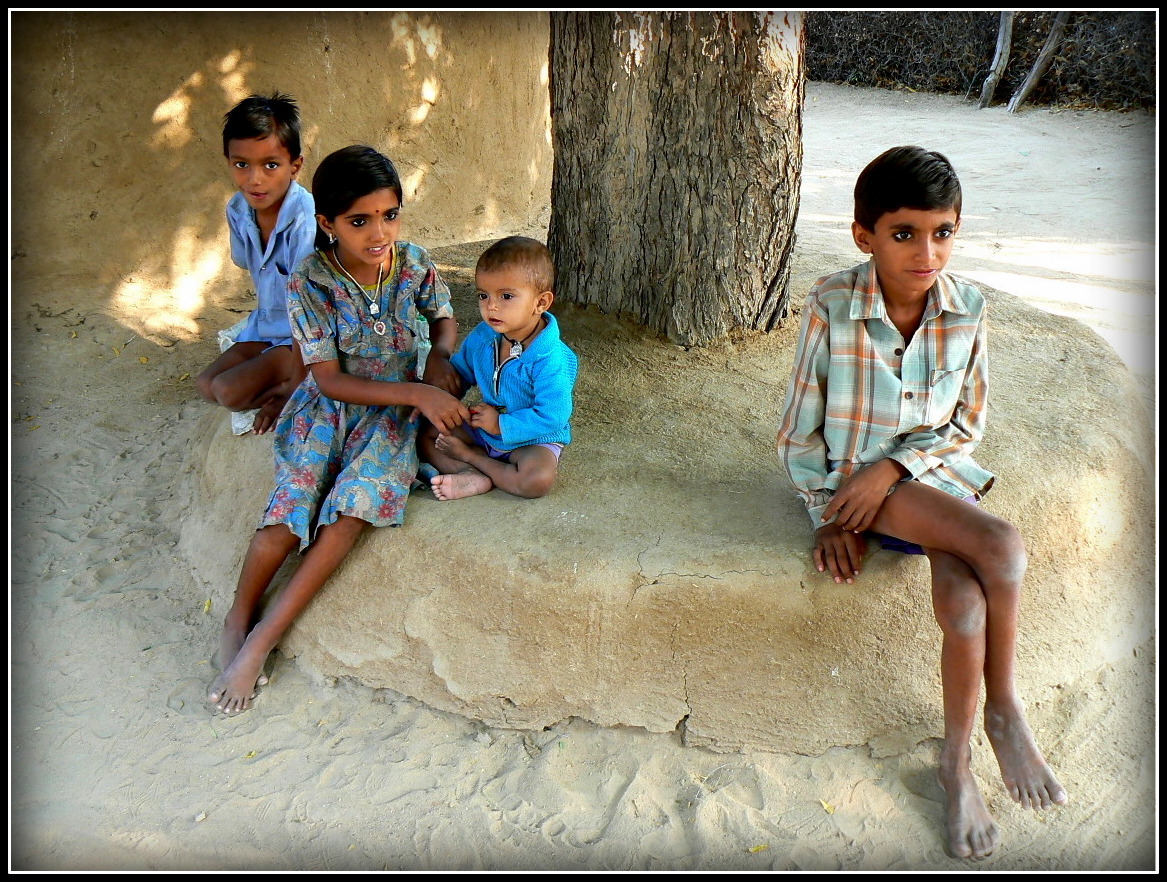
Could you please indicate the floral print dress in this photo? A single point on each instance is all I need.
(331, 457)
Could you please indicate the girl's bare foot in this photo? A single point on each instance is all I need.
(460, 484)
(972, 833)
(230, 642)
(233, 690)
(1028, 778)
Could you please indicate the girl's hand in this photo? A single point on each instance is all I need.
(441, 408)
(439, 372)
(485, 417)
(860, 497)
(840, 551)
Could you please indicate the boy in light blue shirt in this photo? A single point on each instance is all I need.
(526, 375)
(272, 223)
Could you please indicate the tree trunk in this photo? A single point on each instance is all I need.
(1043, 61)
(678, 156)
(1000, 59)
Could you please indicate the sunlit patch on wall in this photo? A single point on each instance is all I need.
(430, 89)
(168, 303)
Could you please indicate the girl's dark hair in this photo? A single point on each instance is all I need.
(345, 176)
(260, 116)
(905, 177)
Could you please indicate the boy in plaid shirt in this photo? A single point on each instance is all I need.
(883, 412)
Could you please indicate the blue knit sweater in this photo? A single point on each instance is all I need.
(534, 391)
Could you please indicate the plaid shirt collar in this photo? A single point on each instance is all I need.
(942, 297)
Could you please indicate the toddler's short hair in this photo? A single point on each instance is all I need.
(528, 254)
(905, 177)
(260, 116)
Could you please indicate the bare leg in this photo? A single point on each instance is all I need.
(959, 605)
(234, 689)
(994, 552)
(236, 355)
(269, 548)
(252, 375)
(530, 472)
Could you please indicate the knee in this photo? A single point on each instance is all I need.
(537, 484)
(1003, 550)
(960, 612)
(204, 382)
(274, 539)
(228, 394)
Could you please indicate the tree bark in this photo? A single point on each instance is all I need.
(1042, 63)
(678, 155)
(1000, 59)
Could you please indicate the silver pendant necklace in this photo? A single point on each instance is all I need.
(517, 345)
(373, 300)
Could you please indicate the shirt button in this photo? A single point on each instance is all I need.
(908, 395)
(899, 352)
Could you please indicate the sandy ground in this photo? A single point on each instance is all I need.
(116, 762)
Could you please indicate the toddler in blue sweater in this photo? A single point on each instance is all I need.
(525, 374)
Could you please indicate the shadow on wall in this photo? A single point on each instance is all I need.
(117, 150)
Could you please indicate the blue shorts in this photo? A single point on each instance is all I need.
(483, 441)
(891, 543)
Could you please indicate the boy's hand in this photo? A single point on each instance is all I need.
(439, 372)
(840, 551)
(441, 408)
(485, 417)
(859, 497)
(269, 412)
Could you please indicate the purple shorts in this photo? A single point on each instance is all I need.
(891, 543)
(483, 441)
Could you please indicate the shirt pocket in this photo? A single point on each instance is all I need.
(944, 387)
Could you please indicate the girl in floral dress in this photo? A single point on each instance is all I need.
(345, 444)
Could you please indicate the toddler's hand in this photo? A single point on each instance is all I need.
(485, 417)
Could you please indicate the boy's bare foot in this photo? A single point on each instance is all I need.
(233, 690)
(1028, 778)
(460, 484)
(972, 833)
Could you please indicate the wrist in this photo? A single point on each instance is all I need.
(895, 471)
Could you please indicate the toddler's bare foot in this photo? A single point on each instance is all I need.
(972, 833)
(230, 642)
(460, 484)
(234, 689)
(453, 446)
(1028, 778)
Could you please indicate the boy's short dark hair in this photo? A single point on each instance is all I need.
(530, 255)
(260, 116)
(905, 177)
